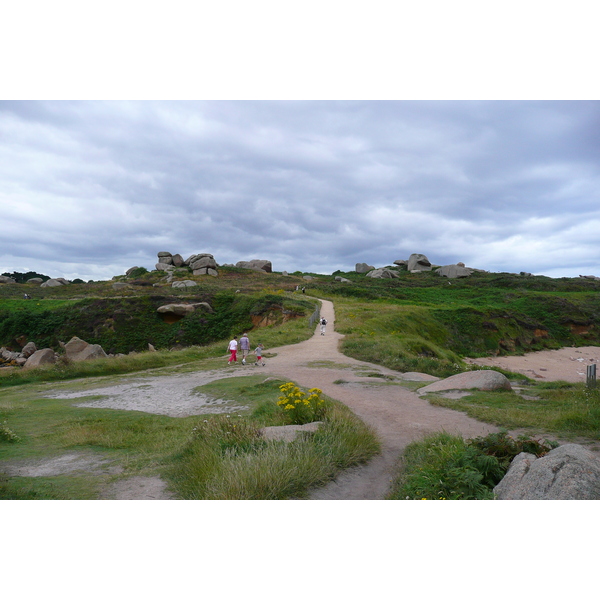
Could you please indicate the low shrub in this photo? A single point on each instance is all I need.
(301, 407)
(6, 434)
(447, 467)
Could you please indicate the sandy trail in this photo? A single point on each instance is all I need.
(397, 415)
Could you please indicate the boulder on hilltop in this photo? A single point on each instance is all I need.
(363, 268)
(255, 264)
(454, 271)
(418, 262)
(383, 274)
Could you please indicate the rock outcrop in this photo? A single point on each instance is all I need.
(569, 472)
(57, 282)
(199, 264)
(383, 274)
(174, 312)
(363, 268)
(454, 271)
(46, 356)
(184, 284)
(418, 262)
(256, 264)
(470, 380)
(78, 350)
(6, 279)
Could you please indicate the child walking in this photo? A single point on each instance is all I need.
(259, 358)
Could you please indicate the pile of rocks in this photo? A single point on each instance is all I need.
(29, 357)
(8, 358)
(57, 282)
(199, 264)
(416, 263)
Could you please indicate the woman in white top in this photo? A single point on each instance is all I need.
(233, 350)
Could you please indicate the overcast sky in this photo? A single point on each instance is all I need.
(89, 189)
(280, 160)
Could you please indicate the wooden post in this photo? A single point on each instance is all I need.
(591, 376)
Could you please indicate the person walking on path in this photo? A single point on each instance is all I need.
(232, 350)
(259, 358)
(323, 323)
(244, 347)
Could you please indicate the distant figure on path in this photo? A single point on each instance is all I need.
(233, 350)
(244, 347)
(323, 325)
(259, 358)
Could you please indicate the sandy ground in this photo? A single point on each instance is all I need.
(397, 415)
(566, 364)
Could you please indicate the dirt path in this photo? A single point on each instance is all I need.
(398, 415)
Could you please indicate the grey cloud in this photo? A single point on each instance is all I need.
(319, 185)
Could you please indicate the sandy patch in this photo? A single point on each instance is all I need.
(137, 488)
(566, 364)
(174, 395)
(59, 465)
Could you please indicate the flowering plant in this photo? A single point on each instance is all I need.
(301, 407)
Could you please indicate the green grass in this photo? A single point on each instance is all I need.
(290, 332)
(569, 410)
(447, 467)
(444, 467)
(137, 443)
(249, 468)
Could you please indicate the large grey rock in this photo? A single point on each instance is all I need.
(78, 350)
(205, 271)
(480, 380)
(454, 271)
(54, 282)
(418, 262)
(206, 261)
(363, 268)
(178, 310)
(28, 349)
(184, 284)
(164, 267)
(177, 260)
(46, 356)
(383, 274)
(6, 279)
(35, 280)
(569, 472)
(256, 264)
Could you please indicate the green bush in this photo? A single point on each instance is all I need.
(6, 435)
(447, 467)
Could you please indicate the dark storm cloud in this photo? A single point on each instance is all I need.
(92, 188)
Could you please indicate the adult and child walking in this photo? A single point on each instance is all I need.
(244, 346)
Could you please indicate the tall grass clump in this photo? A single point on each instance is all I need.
(448, 467)
(227, 458)
(445, 467)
